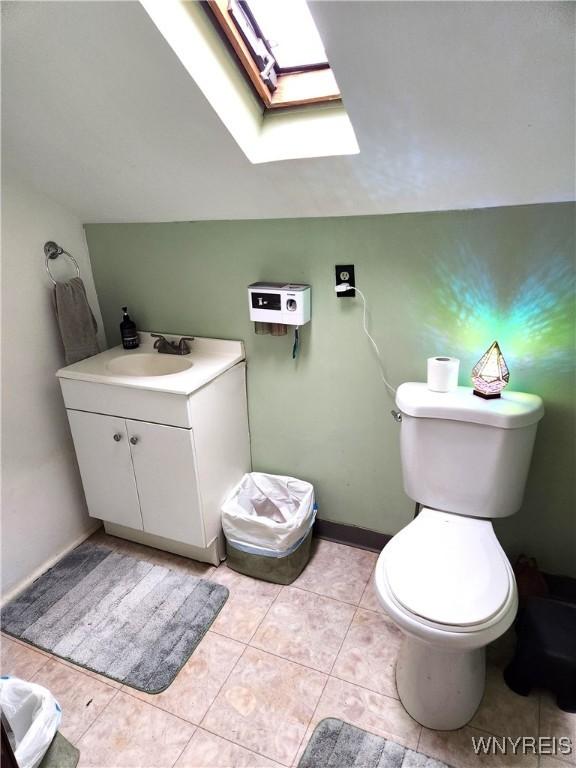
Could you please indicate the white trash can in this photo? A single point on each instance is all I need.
(267, 522)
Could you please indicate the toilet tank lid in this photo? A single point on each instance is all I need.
(511, 411)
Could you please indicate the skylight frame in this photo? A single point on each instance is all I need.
(306, 84)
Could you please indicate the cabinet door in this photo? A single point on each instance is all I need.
(165, 468)
(103, 454)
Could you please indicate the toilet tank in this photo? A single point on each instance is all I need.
(463, 454)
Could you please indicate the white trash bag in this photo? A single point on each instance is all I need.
(33, 715)
(268, 511)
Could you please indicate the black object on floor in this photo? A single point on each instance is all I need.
(546, 650)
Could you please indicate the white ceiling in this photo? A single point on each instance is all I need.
(455, 105)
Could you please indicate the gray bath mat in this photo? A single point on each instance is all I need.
(335, 744)
(127, 619)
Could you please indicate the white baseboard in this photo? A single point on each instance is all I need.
(48, 564)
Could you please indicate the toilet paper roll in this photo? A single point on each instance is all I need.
(443, 373)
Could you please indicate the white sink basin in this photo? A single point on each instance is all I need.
(144, 384)
(148, 364)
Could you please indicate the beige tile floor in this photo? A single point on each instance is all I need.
(276, 662)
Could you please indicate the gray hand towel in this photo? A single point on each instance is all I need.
(75, 319)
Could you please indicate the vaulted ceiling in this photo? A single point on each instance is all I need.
(454, 104)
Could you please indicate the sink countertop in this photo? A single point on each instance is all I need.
(209, 357)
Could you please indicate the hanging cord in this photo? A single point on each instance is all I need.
(389, 387)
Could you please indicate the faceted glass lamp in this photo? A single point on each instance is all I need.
(490, 374)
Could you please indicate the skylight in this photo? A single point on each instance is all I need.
(279, 50)
(211, 55)
(290, 30)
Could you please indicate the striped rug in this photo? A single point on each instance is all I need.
(128, 619)
(336, 744)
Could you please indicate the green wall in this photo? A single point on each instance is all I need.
(437, 283)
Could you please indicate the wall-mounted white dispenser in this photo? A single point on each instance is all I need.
(286, 303)
(275, 306)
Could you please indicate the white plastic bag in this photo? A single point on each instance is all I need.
(33, 715)
(269, 511)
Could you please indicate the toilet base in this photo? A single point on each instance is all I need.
(440, 689)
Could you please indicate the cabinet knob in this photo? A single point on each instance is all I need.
(117, 437)
(133, 440)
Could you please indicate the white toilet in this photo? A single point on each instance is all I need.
(444, 579)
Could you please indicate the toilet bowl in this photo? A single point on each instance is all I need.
(444, 578)
(446, 582)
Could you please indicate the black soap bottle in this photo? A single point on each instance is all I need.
(130, 338)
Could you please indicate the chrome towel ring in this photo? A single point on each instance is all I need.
(52, 251)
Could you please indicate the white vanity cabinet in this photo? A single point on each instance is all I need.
(139, 475)
(156, 462)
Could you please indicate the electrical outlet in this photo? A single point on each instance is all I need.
(345, 274)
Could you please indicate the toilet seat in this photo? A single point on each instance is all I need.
(448, 570)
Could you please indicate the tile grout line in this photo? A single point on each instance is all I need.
(68, 664)
(364, 688)
(323, 687)
(42, 666)
(343, 641)
(129, 692)
(328, 676)
(372, 572)
(116, 692)
(319, 594)
(221, 687)
(86, 672)
(241, 746)
(75, 667)
(291, 661)
(185, 747)
(331, 597)
(12, 639)
(419, 737)
(282, 588)
(311, 719)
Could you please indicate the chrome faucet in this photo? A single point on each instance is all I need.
(166, 347)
